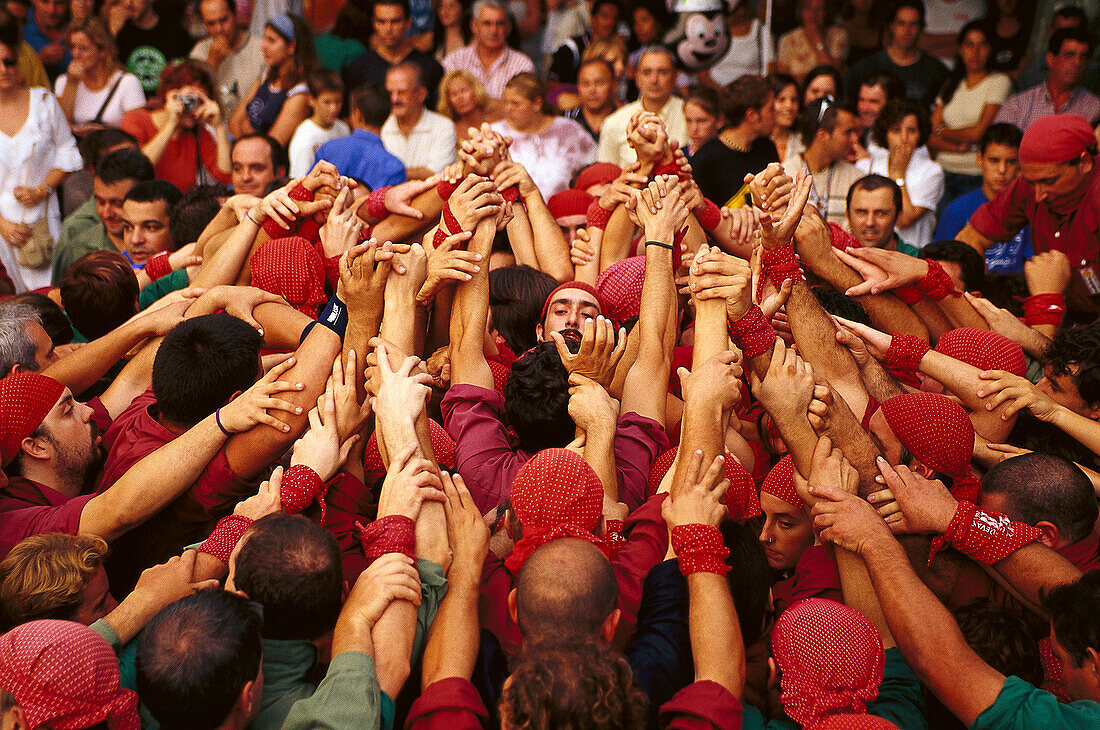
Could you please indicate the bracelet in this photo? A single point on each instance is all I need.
(301, 485)
(669, 168)
(449, 219)
(699, 549)
(597, 216)
(710, 216)
(1044, 309)
(445, 189)
(658, 243)
(752, 333)
(248, 215)
(335, 316)
(228, 532)
(158, 266)
(937, 283)
(905, 353)
(439, 237)
(218, 420)
(389, 534)
(781, 264)
(985, 537)
(376, 203)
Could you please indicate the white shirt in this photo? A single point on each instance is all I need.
(613, 144)
(924, 181)
(129, 95)
(43, 143)
(965, 110)
(552, 157)
(747, 54)
(308, 137)
(430, 144)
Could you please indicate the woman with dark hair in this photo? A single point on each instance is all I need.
(819, 82)
(814, 43)
(901, 130)
(788, 141)
(279, 102)
(452, 27)
(173, 128)
(966, 107)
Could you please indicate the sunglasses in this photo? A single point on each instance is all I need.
(9, 62)
(826, 102)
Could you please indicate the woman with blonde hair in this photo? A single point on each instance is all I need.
(463, 99)
(614, 51)
(95, 91)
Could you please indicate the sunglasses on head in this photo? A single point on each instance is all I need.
(826, 102)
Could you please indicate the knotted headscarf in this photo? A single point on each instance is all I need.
(555, 494)
(582, 286)
(741, 498)
(983, 349)
(831, 659)
(65, 675)
(26, 398)
(598, 173)
(780, 483)
(1056, 138)
(569, 202)
(291, 268)
(936, 430)
(620, 286)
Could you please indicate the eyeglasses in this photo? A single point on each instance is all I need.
(826, 102)
(9, 62)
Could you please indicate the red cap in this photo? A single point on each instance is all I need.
(27, 398)
(572, 285)
(1056, 138)
(598, 173)
(620, 285)
(291, 268)
(780, 483)
(569, 202)
(983, 349)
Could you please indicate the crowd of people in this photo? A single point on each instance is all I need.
(442, 364)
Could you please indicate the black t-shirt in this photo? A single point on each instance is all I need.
(923, 80)
(145, 53)
(369, 67)
(720, 170)
(566, 61)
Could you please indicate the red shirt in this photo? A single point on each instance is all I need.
(134, 435)
(29, 508)
(815, 576)
(178, 163)
(454, 704)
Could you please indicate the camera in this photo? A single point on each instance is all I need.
(189, 102)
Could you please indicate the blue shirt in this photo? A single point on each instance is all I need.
(362, 156)
(37, 40)
(1007, 257)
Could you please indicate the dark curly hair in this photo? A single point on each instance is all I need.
(895, 112)
(584, 686)
(1077, 346)
(536, 397)
(516, 296)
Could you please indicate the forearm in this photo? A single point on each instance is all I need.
(396, 227)
(617, 237)
(844, 430)
(469, 315)
(970, 236)
(590, 272)
(1034, 570)
(909, 212)
(551, 250)
(452, 645)
(224, 146)
(353, 634)
(154, 148)
(657, 309)
(859, 593)
(599, 453)
(81, 369)
(282, 324)
(716, 644)
(396, 631)
(1082, 429)
(961, 313)
(224, 265)
(932, 317)
(54, 178)
(68, 99)
(522, 238)
(815, 335)
(962, 380)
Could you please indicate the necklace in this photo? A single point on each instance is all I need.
(822, 204)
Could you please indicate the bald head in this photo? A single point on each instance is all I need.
(566, 589)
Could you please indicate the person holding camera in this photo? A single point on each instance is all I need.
(181, 130)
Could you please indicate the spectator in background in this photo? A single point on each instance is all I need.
(146, 219)
(258, 162)
(452, 28)
(326, 98)
(703, 113)
(1010, 22)
(361, 155)
(875, 92)
(785, 136)
(553, 149)
(821, 81)
(1035, 73)
(998, 158)
(813, 43)
(94, 91)
(46, 30)
(488, 57)
(423, 140)
(945, 20)
(922, 74)
(389, 46)
(967, 105)
(233, 55)
(614, 51)
(864, 29)
(30, 65)
(566, 61)
(752, 48)
(596, 90)
(338, 47)
(463, 100)
(277, 103)
(1067, 57)
(174, 132)
(148, 41)
(872, 208)
(902, 129)
(656, 75)
(829, 131)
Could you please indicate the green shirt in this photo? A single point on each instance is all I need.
(1023, 706)
(348, 699)
(162, 287)
(899, 700)
(81, 233)
(334, 53)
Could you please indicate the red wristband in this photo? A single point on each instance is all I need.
(909, 294)
(614, 535)
(937, 283)
(985, 537)
(376, 203)
(449, 220)
(669, 168)
(779, 265)
(905, 353)
(274, 230)
(332, 270)
(510, 194)
(298, 192)
(390, 534)
(225, 537)
(700, 549)
(752, 333)
(158, 266)
(1044, 309)
(439, 237)
(445, 189)
(301, 486)
(710, 216)
(597, 216)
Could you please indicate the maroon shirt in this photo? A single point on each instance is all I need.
(29, 508)
(488, 462)
(454, 704)
(815, 576)
(134, 435)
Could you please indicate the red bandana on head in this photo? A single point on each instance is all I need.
(620, 285)
(1056, 138)
(780, 483)
(291, 268)
(26, 399)
(936, 430)
(741, 498)
(573, 285)
(569, 202)
(831, 659)
(983, 349)
(598, 173)
(555, 494)
(65, 675)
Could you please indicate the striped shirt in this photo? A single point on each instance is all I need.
(1024, 108)
(500, 72)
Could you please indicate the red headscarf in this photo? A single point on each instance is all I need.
(26, 399)
(1056, 138)
(66, 675)
(442, 446)
(620, 285)
(598, 173)
(569, 202)
(983, 349)
(936, 430)
(831, 659)
(555, 494)
(573, 285)
(291, 268)
(741, 499)
(780, 483)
